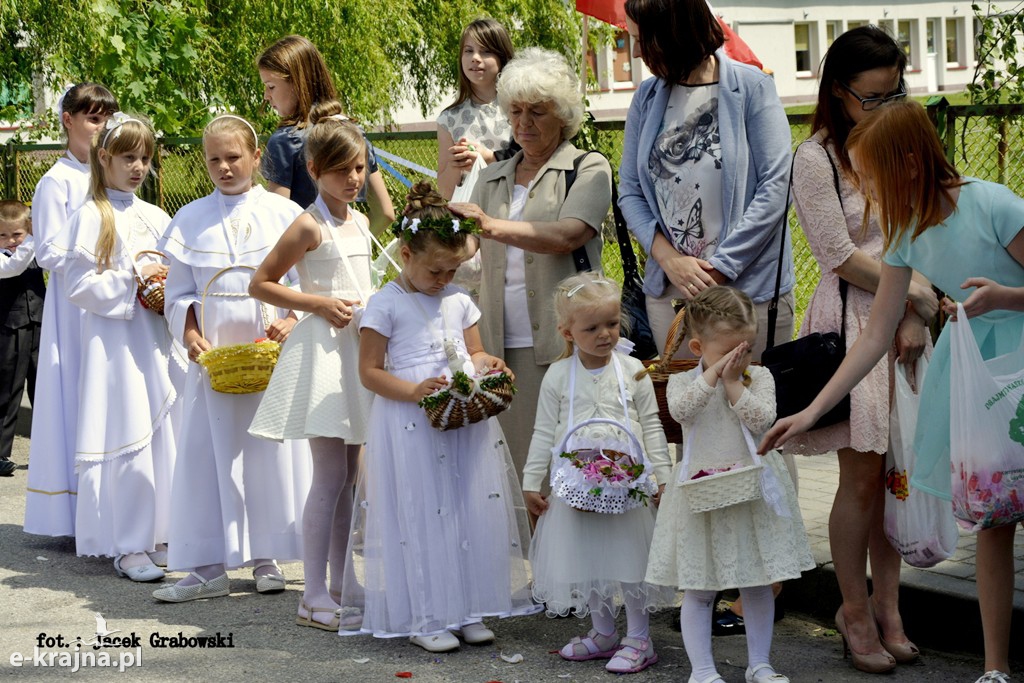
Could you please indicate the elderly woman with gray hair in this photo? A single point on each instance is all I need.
(539, 213)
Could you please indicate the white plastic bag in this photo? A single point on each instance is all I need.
(986, 430)
(921, 527)
(469, 273)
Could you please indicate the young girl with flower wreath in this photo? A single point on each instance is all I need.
(723, 405)
(588, 561)
(438, 514)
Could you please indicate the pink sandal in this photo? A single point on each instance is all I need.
(635, 655)
(592, 646)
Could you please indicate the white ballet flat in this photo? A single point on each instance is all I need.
(142, 574)
(214, 588)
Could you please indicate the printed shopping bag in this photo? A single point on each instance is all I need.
(921, 527)
(986, 431)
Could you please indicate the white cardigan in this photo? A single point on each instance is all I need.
(596, 396)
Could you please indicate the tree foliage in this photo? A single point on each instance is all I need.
(175, 60)
(999, 74)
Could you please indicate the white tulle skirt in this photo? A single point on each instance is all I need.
(439, 527)
(578, 555)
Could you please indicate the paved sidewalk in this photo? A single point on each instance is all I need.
(939, 605)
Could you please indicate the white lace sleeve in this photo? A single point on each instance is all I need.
(818, 207)
(756, 407)
(687, 397)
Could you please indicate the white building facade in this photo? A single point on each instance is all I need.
(790, 39)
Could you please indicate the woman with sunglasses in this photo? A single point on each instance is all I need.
(862, 70)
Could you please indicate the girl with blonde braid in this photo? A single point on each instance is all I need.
(723, 405)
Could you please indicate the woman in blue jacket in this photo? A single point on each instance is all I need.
(705, 167)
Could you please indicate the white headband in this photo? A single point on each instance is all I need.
(60, 102)
(339, 117)
(249, 125)
(114, 123)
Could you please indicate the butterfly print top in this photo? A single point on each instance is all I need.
(686, 164)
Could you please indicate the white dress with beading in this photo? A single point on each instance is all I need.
(235, 498)
(742, 545)
(315, 390)
(439, 526)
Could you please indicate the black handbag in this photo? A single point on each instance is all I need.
(637, 327)
(634, 301)
(803, 367)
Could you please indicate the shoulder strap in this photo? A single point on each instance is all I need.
(579, 255)
(773, 307)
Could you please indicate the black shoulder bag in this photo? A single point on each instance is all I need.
(803, 367)
(634, 302)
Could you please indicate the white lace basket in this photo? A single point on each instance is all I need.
(724, 489)
(569, 483)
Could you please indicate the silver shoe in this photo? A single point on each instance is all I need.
(143, 574)
(159, 557)
(214, 588)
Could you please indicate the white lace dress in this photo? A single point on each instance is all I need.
(834, 232)
(738, 546)
(315, 389)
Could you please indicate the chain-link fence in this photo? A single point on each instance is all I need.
(983, 141)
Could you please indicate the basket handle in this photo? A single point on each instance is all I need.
(135, 264)
(673, 329)
(608, 421)
(206, 291)
(150, 251)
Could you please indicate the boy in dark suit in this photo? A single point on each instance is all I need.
(21, 316)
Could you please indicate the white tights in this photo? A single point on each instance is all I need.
(637, 620)
(327, 517)
(695, 618)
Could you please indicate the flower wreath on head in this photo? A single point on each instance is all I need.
(445, 228)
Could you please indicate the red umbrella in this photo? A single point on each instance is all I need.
(613, 12)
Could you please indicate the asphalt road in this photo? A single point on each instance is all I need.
(46, 589)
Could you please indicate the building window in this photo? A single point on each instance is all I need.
(954, 42)
(856, 24)
(906, 31)
(622, 59)
(931, 30)
(833, 30)
(802, 38)
(978, 28)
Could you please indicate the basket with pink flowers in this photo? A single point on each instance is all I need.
(607, 474)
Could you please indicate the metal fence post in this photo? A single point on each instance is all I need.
(9, 173)
(938, 112)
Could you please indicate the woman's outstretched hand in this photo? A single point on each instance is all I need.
(988, 296)
(785, 429)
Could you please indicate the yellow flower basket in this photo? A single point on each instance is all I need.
(238, 368)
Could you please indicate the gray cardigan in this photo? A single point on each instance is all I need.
(756, 144)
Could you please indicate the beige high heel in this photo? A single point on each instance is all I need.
(871, 662)
(903, 653)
